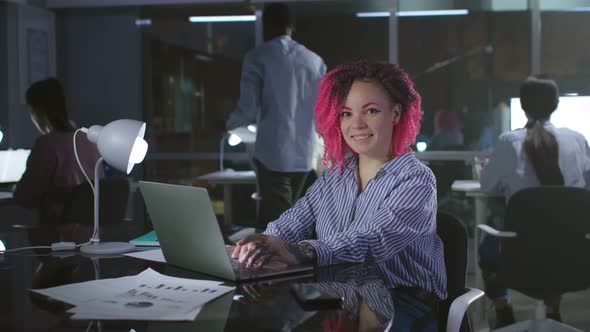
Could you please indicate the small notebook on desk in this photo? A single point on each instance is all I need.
(147, 240)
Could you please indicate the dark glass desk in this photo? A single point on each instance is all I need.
(268, 305)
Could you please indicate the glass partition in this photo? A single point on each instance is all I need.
(192, 71)
(466, 67)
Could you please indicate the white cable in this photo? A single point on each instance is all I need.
(83, 244)
(79, 163)
(39, 247)
(36, 255)
(24, 248)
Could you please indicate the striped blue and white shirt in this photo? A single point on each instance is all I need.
(356, 284)
(372, 292)
(392, 222)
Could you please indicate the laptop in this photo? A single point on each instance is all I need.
(13, 164)
(190, 236)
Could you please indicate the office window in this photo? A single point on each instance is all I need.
(191, 74)
(466, 69)
(192, 71)
(565, 56)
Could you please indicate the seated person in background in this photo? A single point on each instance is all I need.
(539, 154)
(447, 132)
(52, 170)
(379, 203)
(487, 134)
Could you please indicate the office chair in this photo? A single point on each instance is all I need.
(545, 248)
(77, 217)
(447, 171)
(114, 195)
(451, 311)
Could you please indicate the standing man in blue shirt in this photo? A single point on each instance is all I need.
(277, 91)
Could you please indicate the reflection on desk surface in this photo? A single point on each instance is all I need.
(229, 176)
(212, 318)
(265, 305)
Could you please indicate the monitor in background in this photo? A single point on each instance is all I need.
(573, 112)
(13, 164)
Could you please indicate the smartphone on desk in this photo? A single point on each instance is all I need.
(310, 297)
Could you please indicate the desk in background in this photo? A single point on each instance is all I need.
(6, 195)
(472, 188)
(228, 178)
(6, 198)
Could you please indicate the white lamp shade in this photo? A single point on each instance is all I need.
(247, 135)
(120, 143)
(234, 140)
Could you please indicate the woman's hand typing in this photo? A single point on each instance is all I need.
(257, 250)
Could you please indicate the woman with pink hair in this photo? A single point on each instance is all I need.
(376, 202)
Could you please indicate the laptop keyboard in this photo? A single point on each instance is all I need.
(241, 268)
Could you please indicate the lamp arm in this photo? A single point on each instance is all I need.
(222, 149)
(78, 159)
(96, 234)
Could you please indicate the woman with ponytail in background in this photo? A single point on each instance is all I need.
(52, 170)
(539, 154)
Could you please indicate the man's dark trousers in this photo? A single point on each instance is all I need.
(279, 191)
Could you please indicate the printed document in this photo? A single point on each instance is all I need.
(146, 296)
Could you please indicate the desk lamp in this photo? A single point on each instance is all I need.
(121, 144)
(235, 137)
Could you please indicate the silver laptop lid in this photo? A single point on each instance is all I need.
(187, 228)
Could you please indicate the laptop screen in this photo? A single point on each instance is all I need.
(13, 164)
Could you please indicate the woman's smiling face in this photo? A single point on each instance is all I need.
(367, 120)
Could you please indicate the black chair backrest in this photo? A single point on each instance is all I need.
(551, 253)
(453, 234)
(114, 194)
(447, 171)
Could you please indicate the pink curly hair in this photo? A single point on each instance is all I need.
(334, 88)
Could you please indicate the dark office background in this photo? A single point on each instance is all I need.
(182, 78)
